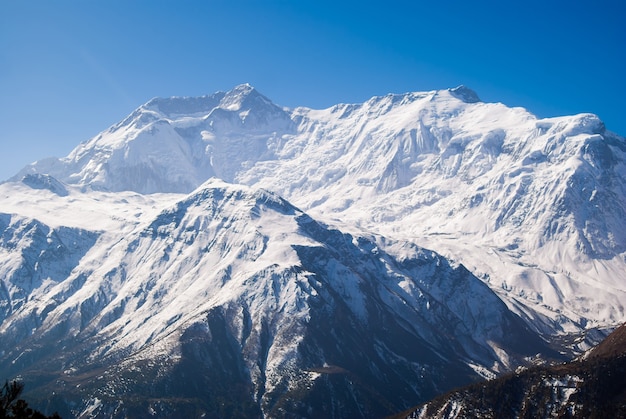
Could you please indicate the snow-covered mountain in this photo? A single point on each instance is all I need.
(136, 256)
(534, 207)
(234, 294)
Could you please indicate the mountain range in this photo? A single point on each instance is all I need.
(225, 256)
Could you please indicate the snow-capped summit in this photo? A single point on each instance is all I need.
(243, 97)
(173, 145)
(243, 101)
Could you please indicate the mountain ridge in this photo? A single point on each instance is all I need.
(284, 290)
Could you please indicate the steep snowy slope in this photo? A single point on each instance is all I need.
(535, 208)
(34, 258)
(232, 298)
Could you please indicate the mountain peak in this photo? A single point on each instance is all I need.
(244, 88)
(243, 97)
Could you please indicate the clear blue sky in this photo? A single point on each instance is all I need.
(70, 69)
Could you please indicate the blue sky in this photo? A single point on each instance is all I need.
(70, 69)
